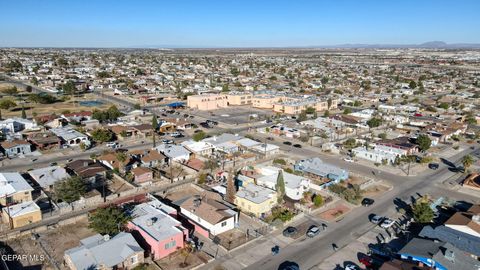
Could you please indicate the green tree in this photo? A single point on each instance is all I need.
(225, 88)
(310, 110)
(137, 106)
(444, 105)
(422, 212)
(424, 142)
(374, 122)
(467, 161)
(382, 136)
(199, 136)
(69, 88)
(34, 80)
(70, 189)
(357, 103)
(347, 111)
(350, 143)
(102, 135)
(326, 113)
(302, 116)
(10, 91)
(317, 200)
(412, 84)
(280, 185)
(154, 123)
(110, 220)
(24, 114)
(7, 104)
(231, 191)
(28, 89)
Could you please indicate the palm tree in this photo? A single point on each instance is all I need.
(467, 161)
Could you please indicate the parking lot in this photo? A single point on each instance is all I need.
(234, 115)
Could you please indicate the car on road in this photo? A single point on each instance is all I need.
(287, 143)
(376, 219)
(53, 163)
(367, 201)
(289, 231)
(313, 231)
(112, 145)
(348, 159)
(167, 141)
(198, 130)
(433, 166)
(297, 145)
(387, 223)
(270, 139)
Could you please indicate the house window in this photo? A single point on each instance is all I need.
(170, 245)
(224, 224)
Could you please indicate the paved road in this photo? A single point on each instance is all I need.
(309, 254)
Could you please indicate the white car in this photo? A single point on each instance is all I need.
(112, 144)
(387, 223)
(347, 159)
(351, 267)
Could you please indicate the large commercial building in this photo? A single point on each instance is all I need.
(207, 102)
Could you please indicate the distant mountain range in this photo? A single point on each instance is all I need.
(426, 45)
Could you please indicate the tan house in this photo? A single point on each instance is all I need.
(14, 189)
(207, 102)
(239, 98)
(21, 214)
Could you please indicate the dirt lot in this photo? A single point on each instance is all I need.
(46, 109)
(31, 248)
(335, 212)
(63, 238)
(375, 190)
(173, 261)
(189, 191)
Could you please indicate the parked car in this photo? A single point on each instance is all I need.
(289, 231)
(348, 159)
(270, 139)
(198, 130)
(433, 166)
(297, 145)
(313, 231)
(112, 144)
(167, 141)
(367, 201)
(53, 164)
(287, 143)
(376, 219)
(387, 223)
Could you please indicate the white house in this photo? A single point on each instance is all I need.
(70, 136)
(174, 152)
(295, 185)
(208, 216)
(376, 155)
(199, 148)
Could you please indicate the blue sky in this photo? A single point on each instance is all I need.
(236, 23)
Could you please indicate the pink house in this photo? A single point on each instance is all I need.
(159, 233)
